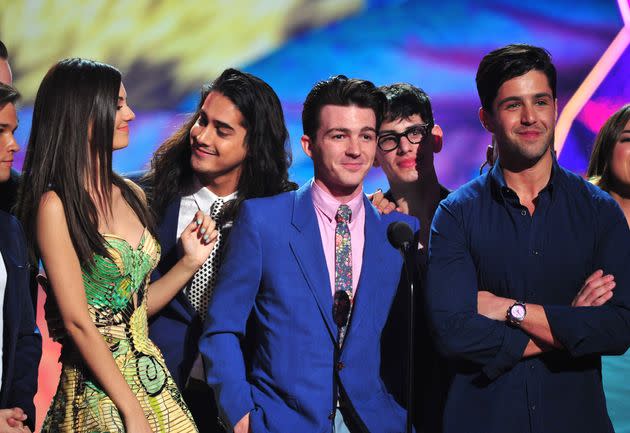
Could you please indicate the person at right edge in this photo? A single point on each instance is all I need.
(523, 261)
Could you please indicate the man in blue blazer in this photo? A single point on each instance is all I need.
(289, 259)
(20, 342)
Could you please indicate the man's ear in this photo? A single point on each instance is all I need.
(486, 120)
(438, 138)
(307, 145)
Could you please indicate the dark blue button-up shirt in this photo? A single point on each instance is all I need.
(482, 238)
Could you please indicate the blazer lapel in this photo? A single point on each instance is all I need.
(374, 251)
(306, 244)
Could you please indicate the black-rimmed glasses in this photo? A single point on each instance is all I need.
(415, 134)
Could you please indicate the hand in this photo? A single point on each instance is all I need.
(243, 425)
(11, 421)
(383, 205)
(137, 424)
(596, 291)
(198, 239)
(492, 306)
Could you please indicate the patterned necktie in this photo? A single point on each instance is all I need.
(204, 279)
(343, 265)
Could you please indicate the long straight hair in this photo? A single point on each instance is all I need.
(265, 168)
(70, 152)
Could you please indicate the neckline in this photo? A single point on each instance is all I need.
(140, 242)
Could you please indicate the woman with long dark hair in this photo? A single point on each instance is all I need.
(609, 166)
(95, 237)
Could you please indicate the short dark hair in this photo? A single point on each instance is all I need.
(8, 94)
(4, 54)
(405, 100)
(344, 91)
(509, 62)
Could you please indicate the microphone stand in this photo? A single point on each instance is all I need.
(405, 249)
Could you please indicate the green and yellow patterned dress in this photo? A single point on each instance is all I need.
(117, 301)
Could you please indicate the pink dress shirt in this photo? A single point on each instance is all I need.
(326, 208)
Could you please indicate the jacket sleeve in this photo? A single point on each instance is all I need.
(28, 346)
(232, 301)
(460, 332)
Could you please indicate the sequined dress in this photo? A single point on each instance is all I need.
(116, 294)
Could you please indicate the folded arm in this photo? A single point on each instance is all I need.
(461, 332)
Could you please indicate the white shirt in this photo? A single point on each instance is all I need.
(3, 286)
(199, 198)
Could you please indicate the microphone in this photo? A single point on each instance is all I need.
(401, 237)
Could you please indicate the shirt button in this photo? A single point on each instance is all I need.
(533, 407)
(523, 212)
(331, 415)
(340, 366)
(535, 252)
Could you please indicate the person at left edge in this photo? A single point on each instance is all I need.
(20, 341)
(234, 147)
(289, 261)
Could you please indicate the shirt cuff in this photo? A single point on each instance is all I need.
(511, 352)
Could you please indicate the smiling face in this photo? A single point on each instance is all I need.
(343, 149)
(409, 162)
(8, 145)
(124, 115)
(218, 142)
(620, 161)
(523, 119)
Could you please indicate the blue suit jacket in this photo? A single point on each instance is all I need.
(22, 343)
(177, 327)
(274, 275)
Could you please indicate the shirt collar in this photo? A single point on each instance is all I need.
(204, 197)
(500, 187)
(328, 204)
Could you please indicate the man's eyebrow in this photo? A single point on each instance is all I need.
(521, 98)
(344, 130)
(222, 125)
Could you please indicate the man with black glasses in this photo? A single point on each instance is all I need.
(307, 283)
(408, 140)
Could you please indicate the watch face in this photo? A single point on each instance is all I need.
(518, 312)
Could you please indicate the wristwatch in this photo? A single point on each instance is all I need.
(516, 313)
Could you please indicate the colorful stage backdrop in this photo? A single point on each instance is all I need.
(167, 49)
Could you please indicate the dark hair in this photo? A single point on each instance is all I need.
(266, 165)
(599, 165)
(8, 94)
(509, 62)
(75, 96)
(405, 100)
(344, 91)
(4, 54)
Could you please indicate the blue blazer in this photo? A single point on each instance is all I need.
(273, 290)
(22, 343)
(177, 327)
